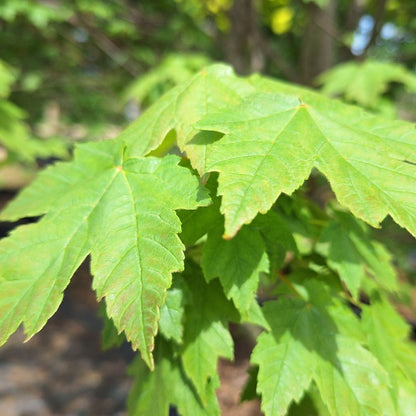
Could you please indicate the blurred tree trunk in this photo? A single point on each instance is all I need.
(241, 44)
(349, 25)
(319, 41)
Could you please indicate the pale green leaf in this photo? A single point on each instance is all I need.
(60, 184)
(274, 139)
(255, 316)
(208, 91)
(172, 311)
(7, 77)
(387, 334)
(36, 264)
(364, 82)
(174, 69)
(16, 139)
(352, 382)
(406, 398)
(321, 3)
(114, 213)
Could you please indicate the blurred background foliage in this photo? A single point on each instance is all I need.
(78, 64)
(75, 70)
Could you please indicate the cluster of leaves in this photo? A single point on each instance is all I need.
(173, 70)
(180, 245)
(38, 13)
(16, 142)
(364, 83)
(79, 54)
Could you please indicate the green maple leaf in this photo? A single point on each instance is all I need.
(16, 139)
(155, 391)
(238, 264)
(274, 139)
(14, 134)
(7, 77)
(31, 283)
(206, 335)
(354, 383)
(351, 252)
(174, 69)
(277, 237)
(110, 336)
(381, 322)
(365, 82)
(106, 205)
(311, 340)
(199, 222)
(172, 311)
(286, 368)
(210, 90)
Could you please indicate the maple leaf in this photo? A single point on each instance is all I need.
(310, 340)
(387, 334)
(238, 264)
(364, 82)
(155, 391)
(174, 69)
(103, 204)
(172, 312)
(274, 139)
(210, 90)
(349, 250)
(206, 335)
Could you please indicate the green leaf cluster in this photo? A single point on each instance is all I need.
(181, 246)
(173, 70)
(15, 137)
(365, 83)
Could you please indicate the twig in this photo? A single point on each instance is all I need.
(104, 43)
(288, 283)
(378, 24)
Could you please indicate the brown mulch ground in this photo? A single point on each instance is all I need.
(62, 370)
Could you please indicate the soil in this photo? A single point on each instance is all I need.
(63, 371)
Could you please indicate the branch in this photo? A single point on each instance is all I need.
(281, 64)
(104, 43)
(378, 24)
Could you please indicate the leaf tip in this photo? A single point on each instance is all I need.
(149, 360)
(147, 356)
(228, 236)
(231, 231)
